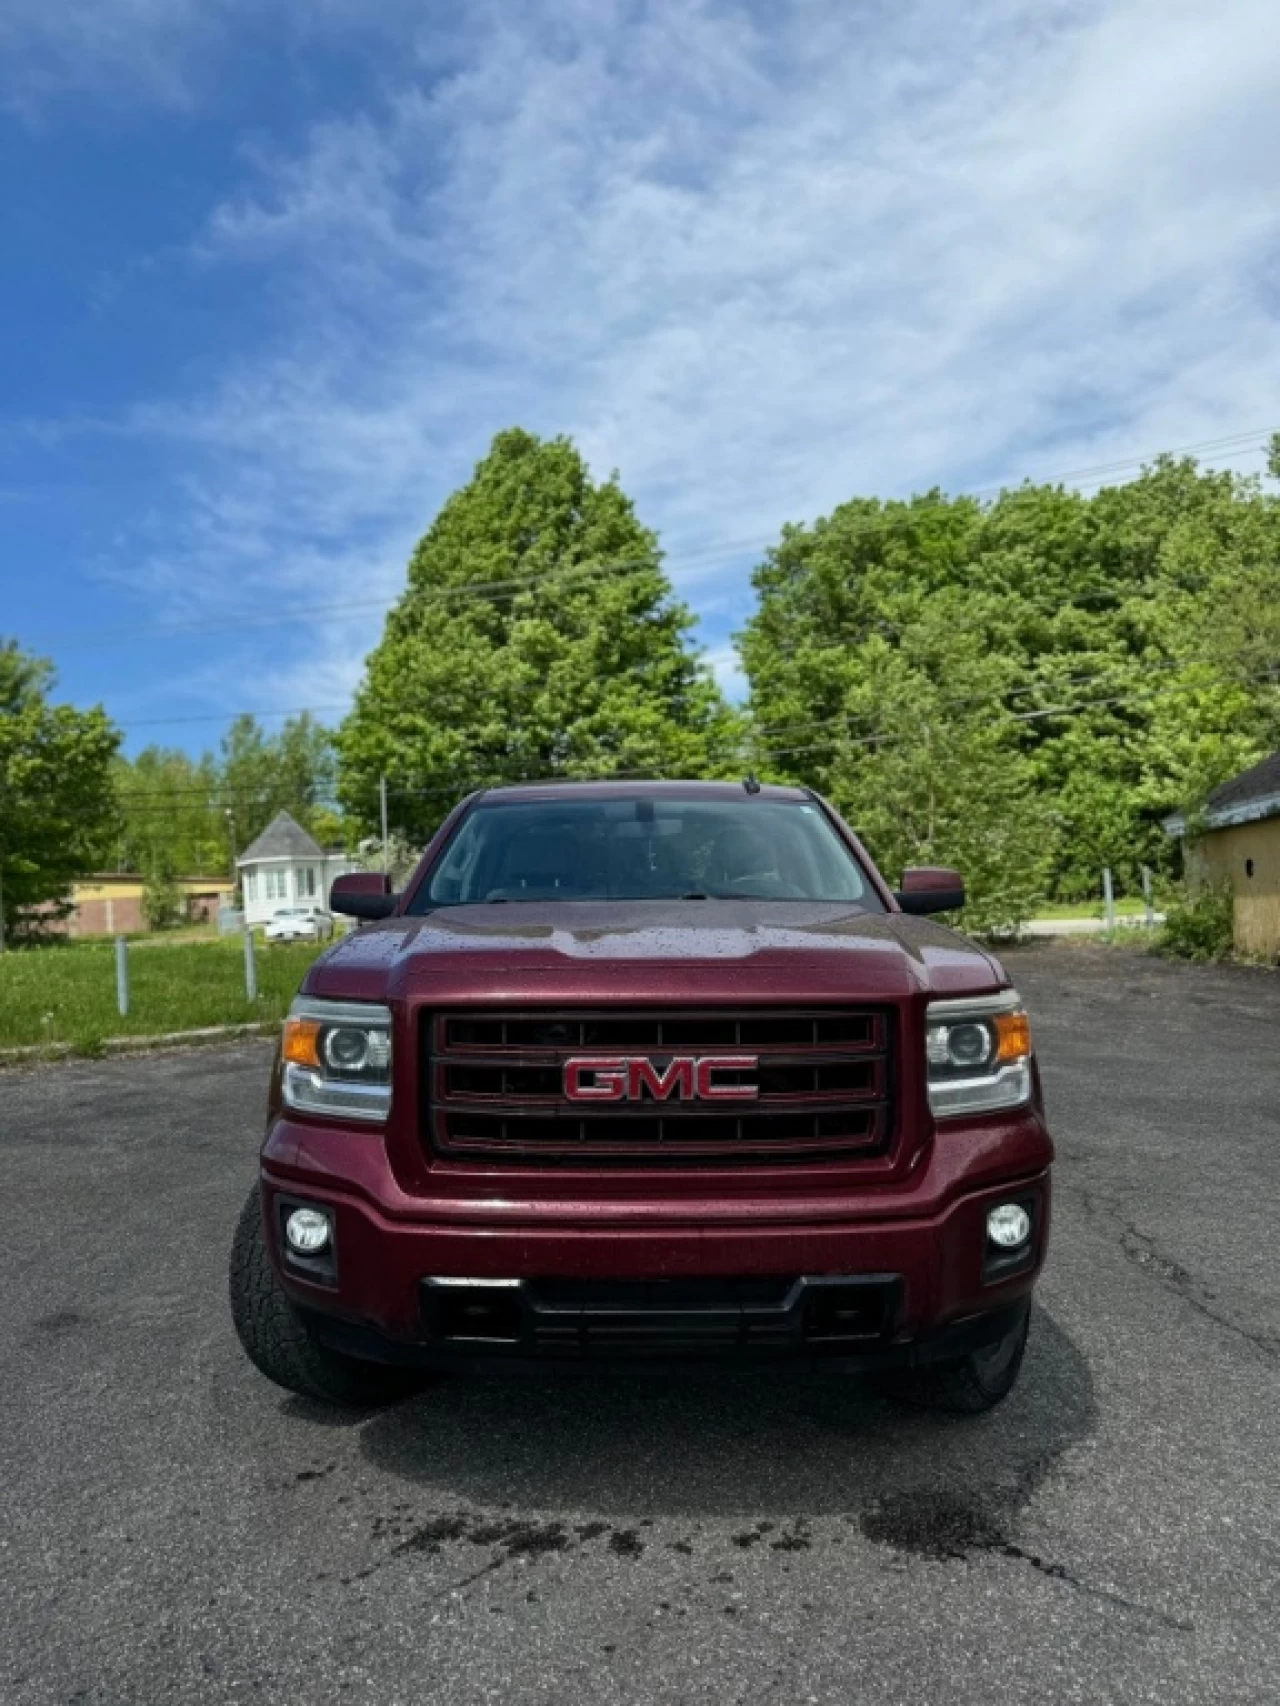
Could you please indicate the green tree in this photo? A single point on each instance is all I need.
(930, 769)
(187, 815)
(1102, 660)
(261, 774)
(169, 815)
(537, 637)
(57, 806)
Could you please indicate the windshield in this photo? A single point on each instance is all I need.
(645, 849)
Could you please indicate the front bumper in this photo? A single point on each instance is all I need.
(654, 1279)
(664, 1338)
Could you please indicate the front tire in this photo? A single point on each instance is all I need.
(977, 1382)
(276, 1338)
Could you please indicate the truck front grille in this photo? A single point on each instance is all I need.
(496, 1086)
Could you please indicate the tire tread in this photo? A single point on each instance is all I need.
(958, 1388)
(275, 1337)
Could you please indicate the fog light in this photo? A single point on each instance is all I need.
(1009, 1225)
(307, 1231)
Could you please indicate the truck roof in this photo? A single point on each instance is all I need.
(626, 790)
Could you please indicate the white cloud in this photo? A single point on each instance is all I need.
(166, 53)
(118, 49)
(758, 259)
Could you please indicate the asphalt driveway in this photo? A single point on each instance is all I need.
(172, 1528)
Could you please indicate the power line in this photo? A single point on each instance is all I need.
(1083, 600)
(739, 750)
(248, 791)
(766, 729)
(510, 586)
(1237, 444)
(887, 737)
(230, 716)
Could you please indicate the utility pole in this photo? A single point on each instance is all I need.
(382, 803)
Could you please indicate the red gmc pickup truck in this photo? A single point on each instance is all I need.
(654, 1071)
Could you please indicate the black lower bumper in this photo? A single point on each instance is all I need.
(841, 1324)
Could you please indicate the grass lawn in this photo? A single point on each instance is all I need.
(68, 994)
(1126, 907)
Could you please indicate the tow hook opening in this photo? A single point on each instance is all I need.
(487, 1311)
(836, 1313)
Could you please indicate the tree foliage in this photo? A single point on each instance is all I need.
(57, 807)
(187, 816)
(260, 774)
(168, 819)
(537, 637)
(1029, 686)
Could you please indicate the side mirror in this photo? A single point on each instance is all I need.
(930, 888)
(362, 894)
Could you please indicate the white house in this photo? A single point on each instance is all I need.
(286, 867)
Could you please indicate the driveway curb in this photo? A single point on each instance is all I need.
(37, 1052)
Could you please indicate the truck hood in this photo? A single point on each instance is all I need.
(719, 951)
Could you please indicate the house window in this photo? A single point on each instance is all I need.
(307, 880)
(251, 885)
(277, 885)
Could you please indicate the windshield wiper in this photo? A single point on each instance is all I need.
(723, 894)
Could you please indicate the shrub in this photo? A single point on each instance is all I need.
(163, 903)
(1200, 927)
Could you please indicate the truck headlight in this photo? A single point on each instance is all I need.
(337, 1058)
(979, 1054)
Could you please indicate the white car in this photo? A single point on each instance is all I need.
(296, 924)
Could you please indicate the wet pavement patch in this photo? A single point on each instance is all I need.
(934, 1525)
(531, 1539)
(943, 1527)
(519, 1538)
(59, 1322)
(798, 1540)
(431, 1536)
(752, 1536)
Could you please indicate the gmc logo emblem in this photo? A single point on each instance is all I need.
(621, 1078)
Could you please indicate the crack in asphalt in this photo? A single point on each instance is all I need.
(946, 1529)
(1060, 1573)
(1141, 1249)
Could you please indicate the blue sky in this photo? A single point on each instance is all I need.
(273, 275)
